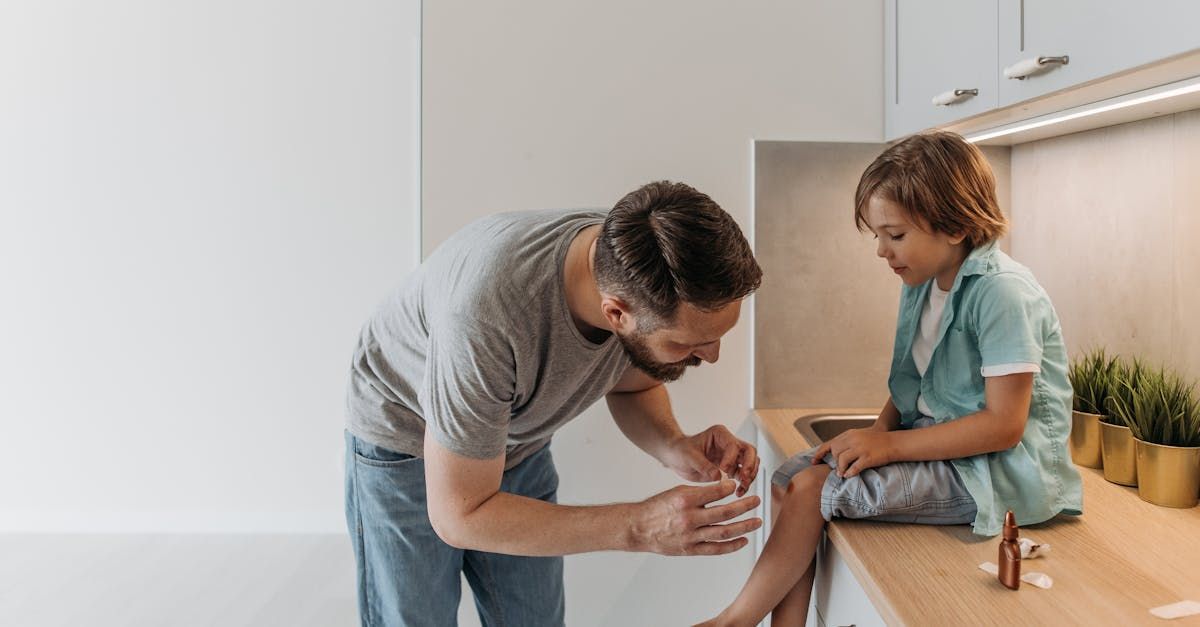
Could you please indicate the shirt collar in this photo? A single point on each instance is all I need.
(980, 260)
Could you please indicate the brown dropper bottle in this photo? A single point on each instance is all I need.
(1010, 554)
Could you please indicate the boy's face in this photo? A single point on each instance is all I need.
(913, 250)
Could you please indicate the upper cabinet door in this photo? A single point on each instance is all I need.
(938, 48)
(1097, 37)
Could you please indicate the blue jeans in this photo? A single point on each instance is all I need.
(408, 576)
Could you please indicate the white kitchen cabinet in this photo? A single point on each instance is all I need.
(1099, 38)
(938, 47)
(1110, 48)
(838, 598)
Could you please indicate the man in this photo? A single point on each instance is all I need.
(511, 328)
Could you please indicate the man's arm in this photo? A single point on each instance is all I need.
(468, 510)
(642, 410)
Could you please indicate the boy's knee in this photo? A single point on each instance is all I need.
(807, 484)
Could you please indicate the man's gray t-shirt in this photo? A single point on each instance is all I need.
(479, 346)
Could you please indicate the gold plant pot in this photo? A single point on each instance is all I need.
(1085, 439)
(1117, 451)
(1168, 475)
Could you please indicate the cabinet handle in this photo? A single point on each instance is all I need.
(954, 96)
(1028, 67)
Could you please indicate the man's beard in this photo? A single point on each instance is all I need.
(635, 347)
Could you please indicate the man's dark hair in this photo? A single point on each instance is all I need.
(665, 244)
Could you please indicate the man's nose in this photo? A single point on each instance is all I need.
(709, 352)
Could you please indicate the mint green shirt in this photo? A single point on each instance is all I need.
(996, 313)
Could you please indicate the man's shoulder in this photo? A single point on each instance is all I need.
(500, 241)
(518, 223)
(503, 269)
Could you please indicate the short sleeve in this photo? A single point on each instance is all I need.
(468, 387)
(1009, 317)
(1001, 370)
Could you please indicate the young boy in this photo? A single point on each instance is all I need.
(979, 413)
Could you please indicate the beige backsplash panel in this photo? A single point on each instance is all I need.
(825, 316)
(1109, 222)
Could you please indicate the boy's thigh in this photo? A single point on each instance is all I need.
(914, 492)
(406, 574)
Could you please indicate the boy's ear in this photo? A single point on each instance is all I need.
(955, 240)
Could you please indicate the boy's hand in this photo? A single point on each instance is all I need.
(704, 456)
(856, 450)
(677, 522)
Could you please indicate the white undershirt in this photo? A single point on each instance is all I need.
(927, 329)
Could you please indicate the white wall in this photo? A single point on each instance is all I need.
(200, 202)
(554, 104)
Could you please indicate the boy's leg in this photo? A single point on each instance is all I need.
(777, 494)
(406, 574)
(793, 609)
(786, 560)
(515, 590)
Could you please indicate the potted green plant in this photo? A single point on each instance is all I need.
(1117, 448)
(1091, 376)
(1163, 415)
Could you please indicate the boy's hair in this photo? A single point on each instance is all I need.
(666, 243)
(940, 178)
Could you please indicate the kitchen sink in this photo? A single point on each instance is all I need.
(817, 428)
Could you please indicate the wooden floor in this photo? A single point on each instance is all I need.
(179, 580)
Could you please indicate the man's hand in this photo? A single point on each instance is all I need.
(704, 456)
(677, 522)
(856, 450)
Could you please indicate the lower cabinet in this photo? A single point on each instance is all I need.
(838, 599)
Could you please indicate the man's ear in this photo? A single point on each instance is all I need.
(955, 240)
(617, 313)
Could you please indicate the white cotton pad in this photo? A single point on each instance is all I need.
(1041, 580)
(1177, 610)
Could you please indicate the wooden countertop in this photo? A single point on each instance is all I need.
(1110, 566)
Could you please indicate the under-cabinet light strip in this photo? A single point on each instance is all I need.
(1181, 88)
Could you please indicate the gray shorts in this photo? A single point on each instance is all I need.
(929, 493)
